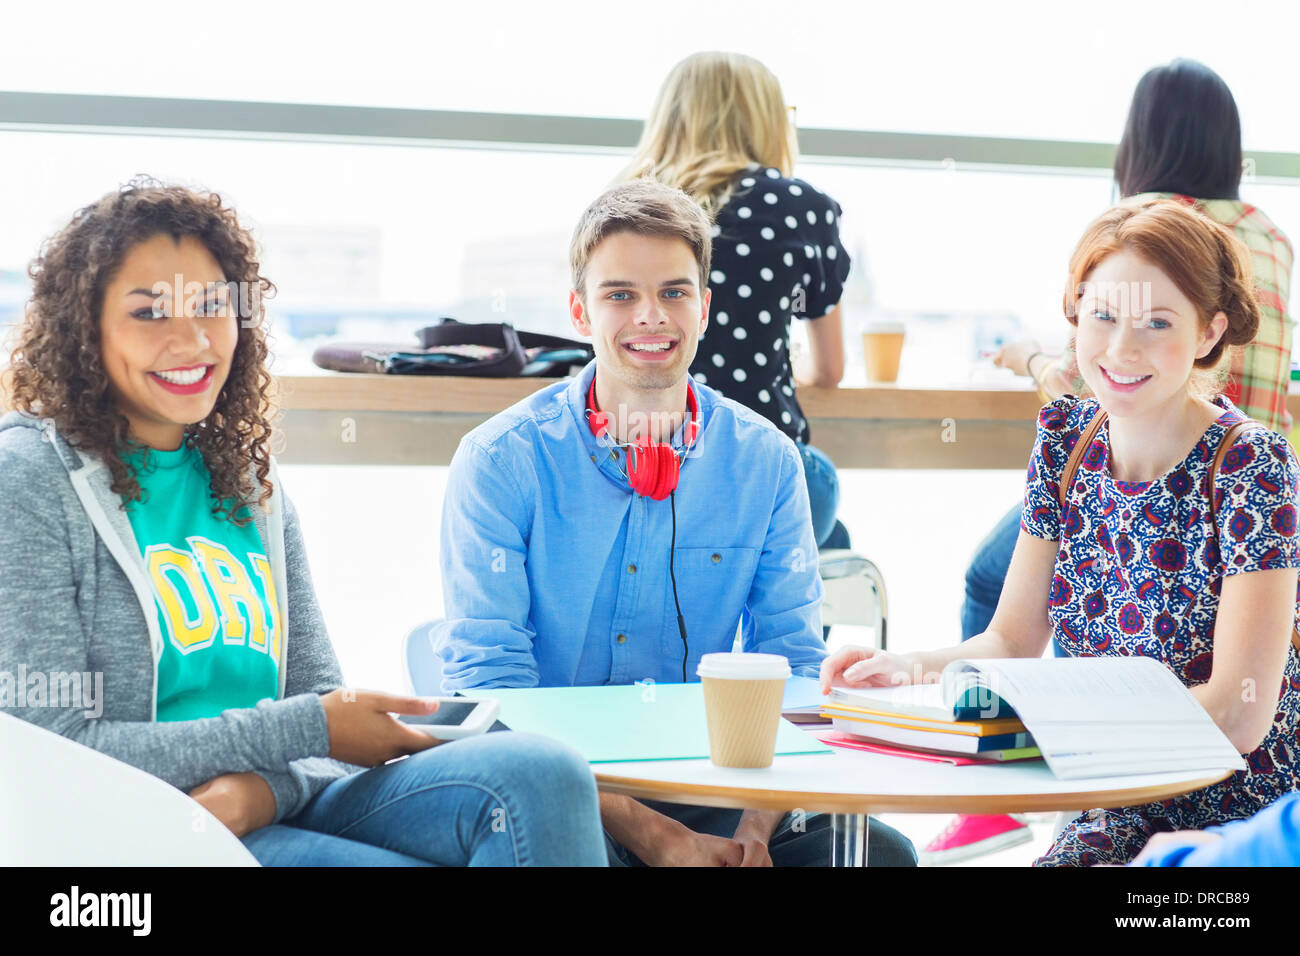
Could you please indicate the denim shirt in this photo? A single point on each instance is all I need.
(556, 574)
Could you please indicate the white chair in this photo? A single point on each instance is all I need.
(63, 804)
(420, 663)
(855, 592)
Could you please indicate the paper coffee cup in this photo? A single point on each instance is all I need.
(882, 347)
(742, 701)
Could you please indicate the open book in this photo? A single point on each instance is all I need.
(1090, 716)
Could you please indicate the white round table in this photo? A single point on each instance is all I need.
(849, 784)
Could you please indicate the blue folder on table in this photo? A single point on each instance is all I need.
(625, 722)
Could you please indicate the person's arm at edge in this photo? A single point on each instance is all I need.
(1051, 378)
(1270, 838)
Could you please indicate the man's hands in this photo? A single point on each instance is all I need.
(243, 802)
(753, 833)
(362, 731)
(747, 848)
(658, 840)
(689, 848)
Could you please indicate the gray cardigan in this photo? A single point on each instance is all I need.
(75, 598)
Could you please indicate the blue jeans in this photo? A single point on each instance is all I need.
(809, 844)
(500, 799)
(986, 574)
(823, 498)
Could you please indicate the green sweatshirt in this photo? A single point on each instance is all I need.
(214, 589)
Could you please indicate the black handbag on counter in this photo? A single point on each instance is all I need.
(482, 349)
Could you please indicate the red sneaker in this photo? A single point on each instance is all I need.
(967, 837)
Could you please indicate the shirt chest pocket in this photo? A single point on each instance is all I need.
(712, 586)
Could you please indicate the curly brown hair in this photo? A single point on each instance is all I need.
(57, 362)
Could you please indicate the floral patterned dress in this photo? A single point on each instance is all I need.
(1139, 571)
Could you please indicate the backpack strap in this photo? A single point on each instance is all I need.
(1076, 457)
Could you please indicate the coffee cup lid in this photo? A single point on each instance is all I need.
(883, 326)
(741, 666)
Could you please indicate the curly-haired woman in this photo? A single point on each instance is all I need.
(144, 535)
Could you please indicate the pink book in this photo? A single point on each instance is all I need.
(836, 739)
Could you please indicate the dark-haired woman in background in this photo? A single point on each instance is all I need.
(1182, 141)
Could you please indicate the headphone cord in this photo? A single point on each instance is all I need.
(681, 622)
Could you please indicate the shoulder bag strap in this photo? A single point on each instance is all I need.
(1076, 457)
(1225, 444)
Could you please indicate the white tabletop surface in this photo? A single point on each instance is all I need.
(848, 781)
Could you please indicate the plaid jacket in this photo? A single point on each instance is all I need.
(1259, 373)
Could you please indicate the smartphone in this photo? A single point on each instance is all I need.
(456, 717)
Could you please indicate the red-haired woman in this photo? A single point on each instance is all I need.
(1134, 565)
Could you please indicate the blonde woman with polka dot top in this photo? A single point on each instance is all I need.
(720, 131)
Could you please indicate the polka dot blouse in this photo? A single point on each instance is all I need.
(776, 257)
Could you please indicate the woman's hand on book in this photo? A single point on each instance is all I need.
(866, 667)
(364, 731)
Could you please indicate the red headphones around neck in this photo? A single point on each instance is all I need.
(652, 466)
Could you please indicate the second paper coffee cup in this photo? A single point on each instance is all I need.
(882, 348)
(742, 702)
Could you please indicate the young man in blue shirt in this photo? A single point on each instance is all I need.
(557, 573)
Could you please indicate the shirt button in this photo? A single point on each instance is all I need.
(613, 456)
(593, 459)
(622, 638)
(716, 558)
(631, 569)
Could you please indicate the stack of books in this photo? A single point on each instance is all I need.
(915, 717)
(1087, 716)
